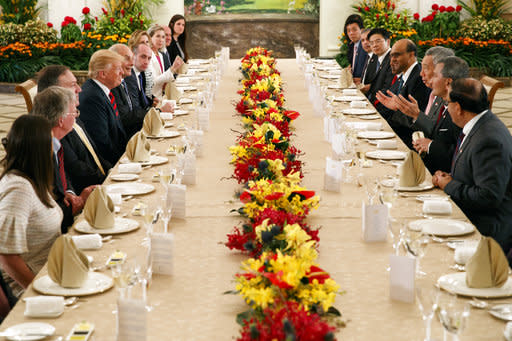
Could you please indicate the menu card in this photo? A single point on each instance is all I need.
(401, 278)
(375, 220)
(333, 174)
(162, 246)
(131, 320)
(177, 194)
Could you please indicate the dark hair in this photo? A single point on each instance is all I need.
(28, 148)
(470, 94)
(49, 76)
(410, 46)
(182, 38)
(454, 67)
(353, 19)
(383, 32)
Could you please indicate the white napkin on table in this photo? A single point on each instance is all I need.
(432, 206)
(349, 92)
(387, 144)
(42, 306)
(131, 167)
(358, 104)
(166, 115)
(463, 253)
(88, 241)
(368, 126)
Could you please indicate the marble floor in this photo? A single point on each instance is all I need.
(13, 105)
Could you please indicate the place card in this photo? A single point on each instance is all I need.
(329, 127)
(162, 247)
(177, 193)
(338, 144)
(375, 220)
(333, 174)
(401, 278)
(203, 118)
(189, 170)
(131, 320)
(196, 136)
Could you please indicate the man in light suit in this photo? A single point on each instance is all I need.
(480, 182)
(405, 67)
(98, 106)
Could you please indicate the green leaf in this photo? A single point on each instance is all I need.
(245, 316)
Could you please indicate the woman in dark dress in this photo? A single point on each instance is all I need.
(177, 47)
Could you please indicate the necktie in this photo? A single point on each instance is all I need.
(459, 142)
(431, 99)
(113, 102)
(441, 111)
(62, 172)
(144, 98)
(87, 144)
(400, 84)
(354, 57)
(378, 64)
(366, 63)
(128, 99)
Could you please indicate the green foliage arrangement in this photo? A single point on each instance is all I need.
(489, 9)
(480, 28)
(18, 11)
(385, 14)
(33, 31)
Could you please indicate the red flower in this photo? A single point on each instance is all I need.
(435, 7)
(49, 24)
(87, 27)
(274, 196)
(112, 20)
(141, 23)
(450, 9)
(388, 4)
(64, 24)
(86, 10)
(377, 16)
(96, 18)
(359, 8)
(306, 194)
(131, 20)
(315, 272)
(429, 18)
(458, 8)
(292, 115)
(122, 12)
(398, 16)
(276, 280)
(393, 6)
(245, 197)
(367, 9)
(416, 16)
(442, 9)
(104, 11)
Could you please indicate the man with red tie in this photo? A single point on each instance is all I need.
(98, 106)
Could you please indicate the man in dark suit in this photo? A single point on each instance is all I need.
(58, 105)
(370, 64)
(356, 54)
(407, 82)
(379, 40)
(480, 182)
(98, 106)
(82, 163)
(440, 141)
(165, 52)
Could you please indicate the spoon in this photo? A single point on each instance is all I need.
(480, 304)
(70, 301)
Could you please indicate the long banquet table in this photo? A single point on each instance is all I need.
(190, 305)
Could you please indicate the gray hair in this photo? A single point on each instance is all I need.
(454, 68)
(53, 103)
(439, 52)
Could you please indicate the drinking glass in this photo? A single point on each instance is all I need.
(167, 210)
(144, 273)
(166, 177)
(427, 297)
(148, 212)
(416, 244)
(453, 315)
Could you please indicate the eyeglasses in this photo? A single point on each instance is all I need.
(377, 41)
(74, 114)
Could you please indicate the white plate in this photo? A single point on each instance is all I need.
(423, 197)
(456, 283)
(121, 225)
(442, 227)
(328, 76)
(334, 86)
(130, 188)
(502, 311)
(180, 112)
(168, 124)
(350, 99)
(185, 101)
(386, 154)
(375, 135)
(370, 117)
(18, 330)
(425, 186)
(95, 283)
(165, 134)
(124, 177)
(359, 111)
(186, 88)
(462, 243)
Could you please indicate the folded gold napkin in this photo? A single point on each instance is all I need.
(171, 91)
(138, 148)
(417, 135)
(346, 79)
(67, 265)
(183, 69)
(488, 267)
(153, 123)
(99, 209)
(412, 171)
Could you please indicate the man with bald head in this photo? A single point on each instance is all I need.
(480, 182)
(407, 81)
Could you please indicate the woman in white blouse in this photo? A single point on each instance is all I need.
(160, 76)
(29, 217)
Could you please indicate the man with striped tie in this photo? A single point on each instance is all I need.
(98, 106)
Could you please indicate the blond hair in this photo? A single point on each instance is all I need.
(135, 37)
(152, 30)
(102, 60)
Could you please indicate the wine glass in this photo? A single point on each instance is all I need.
(427, 297)
(144, 273)
(167, 210)
(148, 213)
(416, 244)
(166, 177)
(453, 315)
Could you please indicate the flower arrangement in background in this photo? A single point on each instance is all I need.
(289, 296)
(385, 14)
(488, 9)
(442, 22)
(18, 11)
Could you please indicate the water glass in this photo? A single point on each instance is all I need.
(453, 315)
(427, 298)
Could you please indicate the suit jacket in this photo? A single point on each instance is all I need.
(357, 68)
(482, 179)
(174, 51)
(382, 80)
(426, 122)
(370, 69)
(101, 122)
(59, 194)
(401, 123)
(444, 141)
(167, 59)
(79, 163)
(133, 117)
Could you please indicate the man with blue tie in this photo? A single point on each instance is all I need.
(98, 106)
(356, 54)
(480, 182)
